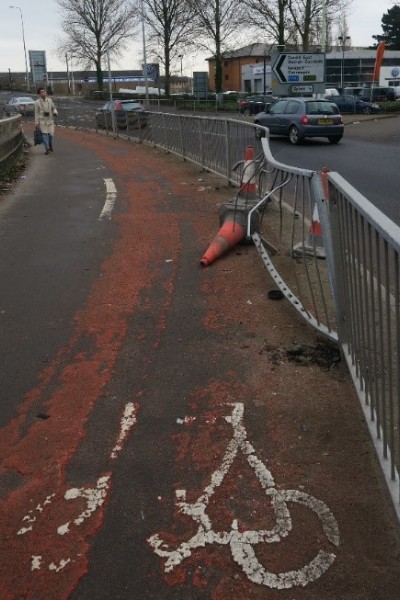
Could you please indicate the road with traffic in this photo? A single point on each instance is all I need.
(367, 157)
(168, 431)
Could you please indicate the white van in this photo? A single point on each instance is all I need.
(396, 89)
(330, 92)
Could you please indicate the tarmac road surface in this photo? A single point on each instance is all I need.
(170, 445)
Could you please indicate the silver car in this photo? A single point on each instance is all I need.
(23, 105)
(299, 118)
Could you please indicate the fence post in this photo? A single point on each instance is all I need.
(330, 233)
(201, 144)
(182, 138)
(228, 149)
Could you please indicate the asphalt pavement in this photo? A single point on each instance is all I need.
(169, 432)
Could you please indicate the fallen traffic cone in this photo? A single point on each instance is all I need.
(232, 231)
(248, 185)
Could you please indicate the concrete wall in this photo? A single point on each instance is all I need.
(11, 139)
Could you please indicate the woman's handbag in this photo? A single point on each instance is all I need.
(38, 137)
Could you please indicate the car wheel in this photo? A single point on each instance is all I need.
(294, 136)
(366, 110)
(334, 139)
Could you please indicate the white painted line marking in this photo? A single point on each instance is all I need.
(63, 563)
(30, 517)
(111, 197)
(127, 422)
(36, 563)
(94, 496)
(241, 543)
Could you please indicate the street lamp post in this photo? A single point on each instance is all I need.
(181, 57)
(28, 87)
(146, 81)
(342, 39)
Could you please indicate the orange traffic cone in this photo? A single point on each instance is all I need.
(314, 244)
(248, 185)
(230, 234)
(324, 180)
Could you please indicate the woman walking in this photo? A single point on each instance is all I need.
(45, 111)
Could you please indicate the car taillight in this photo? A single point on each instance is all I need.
(304, 120)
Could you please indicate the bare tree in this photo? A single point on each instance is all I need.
(217, 21)
(171, 31)
(272, 17)
(297, 23)
(91, 27)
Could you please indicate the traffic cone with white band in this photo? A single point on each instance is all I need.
(248, 185)
(314, 244)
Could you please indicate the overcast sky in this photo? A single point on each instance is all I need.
(41, 23)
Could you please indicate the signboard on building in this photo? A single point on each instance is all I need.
(298, 73)
(389, 76)
(37, 62)
(151, 71)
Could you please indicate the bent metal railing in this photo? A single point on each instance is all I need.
(353, 295)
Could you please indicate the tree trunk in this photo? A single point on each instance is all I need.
(99, 72)
(218, 57)
(167, 81)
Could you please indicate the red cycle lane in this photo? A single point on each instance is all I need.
(184, 455)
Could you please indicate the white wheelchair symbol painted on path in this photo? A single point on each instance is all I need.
(241, 543)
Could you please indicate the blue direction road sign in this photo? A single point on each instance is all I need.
(304, 70)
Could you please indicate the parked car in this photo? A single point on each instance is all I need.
(299, 118)
(352, 104)
(128, 114)
(22, 105)
(252, 105)
(377, 94)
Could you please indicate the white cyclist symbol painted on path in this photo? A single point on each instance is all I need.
(242, 543)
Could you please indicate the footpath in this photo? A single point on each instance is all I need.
(245, 471)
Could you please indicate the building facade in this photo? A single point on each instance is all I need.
(249, 68)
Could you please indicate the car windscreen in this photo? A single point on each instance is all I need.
(22, 100)
(321, 108)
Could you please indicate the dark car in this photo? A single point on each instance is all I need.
(252, 105)
(377, 94)
(299, 118)
(129, 114)
(352, 104)
(22, 105)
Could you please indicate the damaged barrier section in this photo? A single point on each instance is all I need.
(330, 252)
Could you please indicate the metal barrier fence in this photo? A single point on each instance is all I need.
(11, 139)
(366, 247)
(351, 297)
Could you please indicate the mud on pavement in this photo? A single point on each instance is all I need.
(243, 468)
